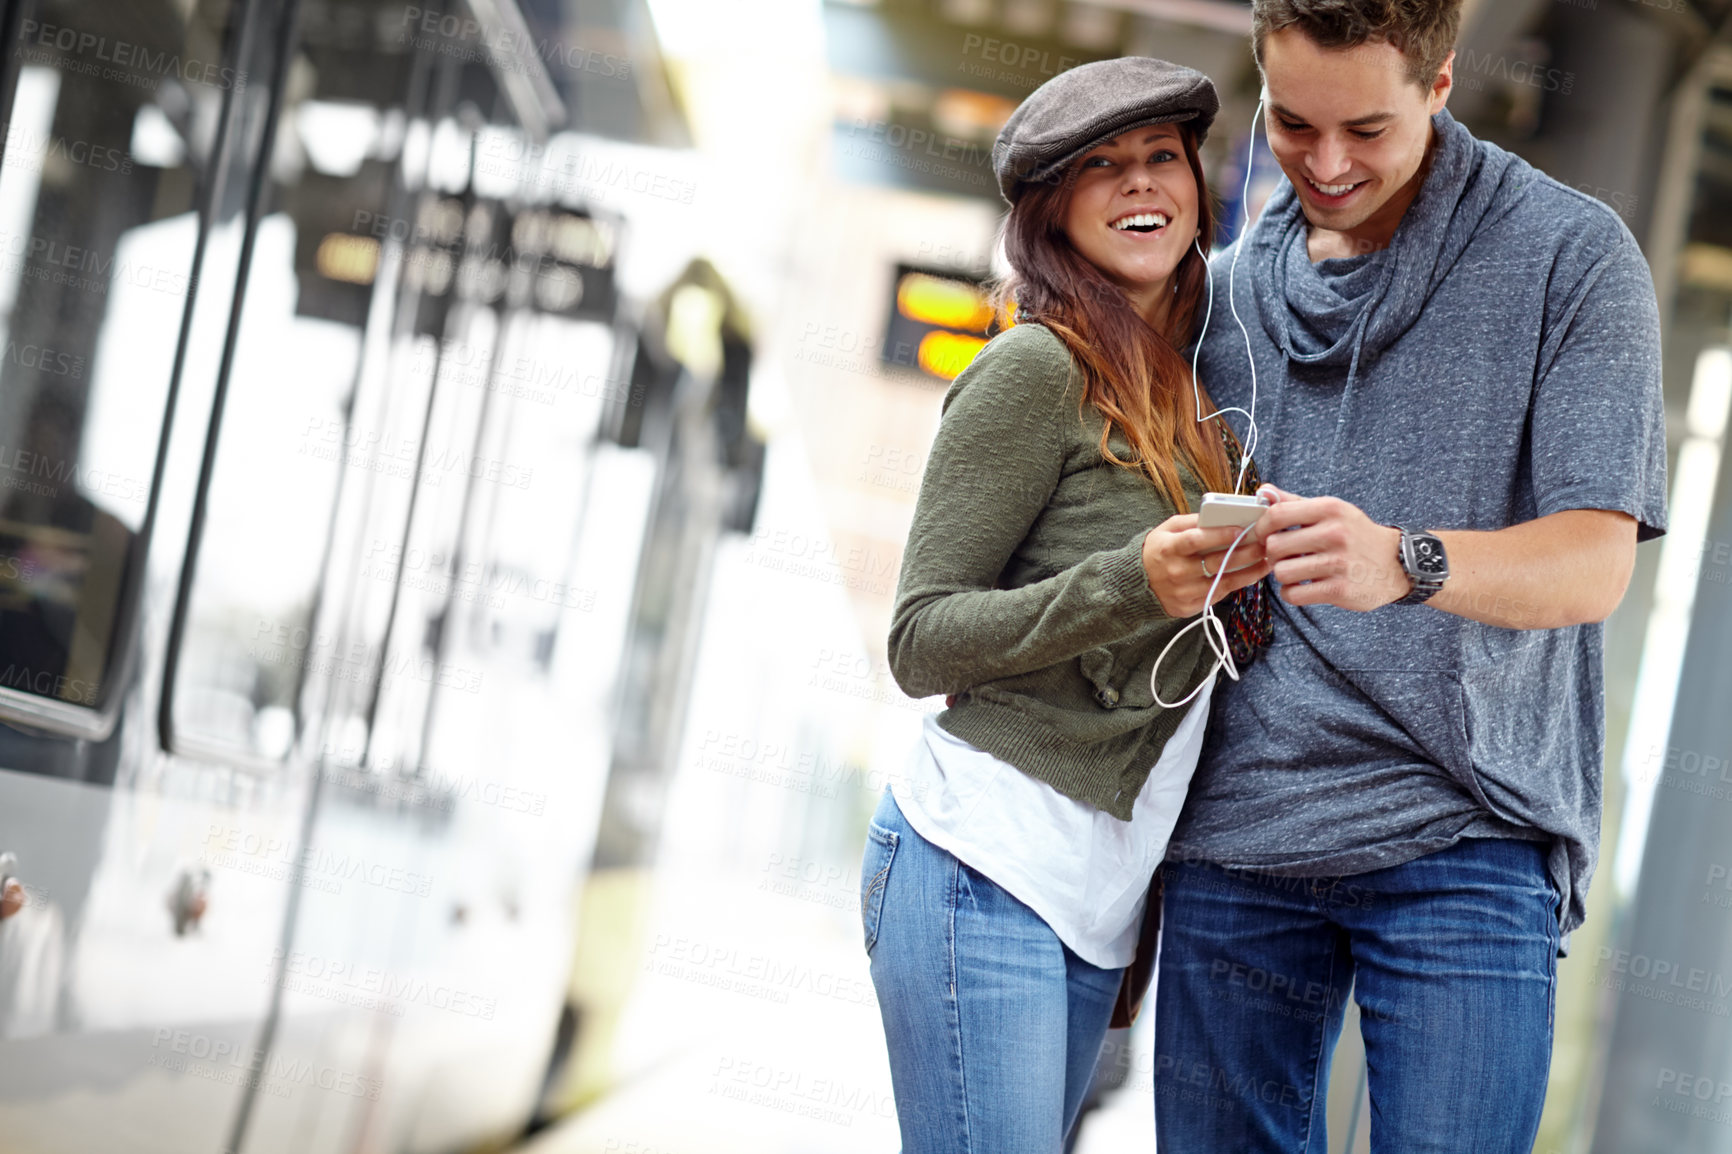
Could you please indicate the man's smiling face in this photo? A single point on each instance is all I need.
(1350, 129)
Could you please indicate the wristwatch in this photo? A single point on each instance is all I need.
(1422, 559)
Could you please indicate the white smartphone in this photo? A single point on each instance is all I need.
(1223, 510)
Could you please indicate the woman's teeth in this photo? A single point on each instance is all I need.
(1141, 222)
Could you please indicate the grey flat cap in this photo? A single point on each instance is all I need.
(1081, 107)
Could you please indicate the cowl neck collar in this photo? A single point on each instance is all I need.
(1344, 312)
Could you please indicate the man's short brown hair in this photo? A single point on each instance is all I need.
(1422, 30)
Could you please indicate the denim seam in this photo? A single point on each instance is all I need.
(955, 1003)
(1551, 1009)
(1317, 1055)
(1557, 934)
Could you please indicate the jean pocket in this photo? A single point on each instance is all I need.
(875, 878)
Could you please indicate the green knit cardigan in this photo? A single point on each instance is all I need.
(1022, 590)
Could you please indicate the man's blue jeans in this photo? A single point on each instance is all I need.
(993, 1024)
(1452, 958)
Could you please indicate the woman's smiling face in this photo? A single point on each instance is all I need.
(1133, 211)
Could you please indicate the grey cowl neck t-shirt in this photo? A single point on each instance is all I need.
(1498, 362)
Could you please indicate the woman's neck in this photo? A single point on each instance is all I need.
(1154, 304)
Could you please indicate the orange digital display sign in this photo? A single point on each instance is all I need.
(938, 321)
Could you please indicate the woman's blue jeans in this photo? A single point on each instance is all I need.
(1452, 958)
(993, 1024)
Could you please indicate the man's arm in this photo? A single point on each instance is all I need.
(1566, 568)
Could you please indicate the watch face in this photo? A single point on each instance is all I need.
(1428, 556)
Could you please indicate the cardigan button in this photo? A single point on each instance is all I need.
(1107, 696)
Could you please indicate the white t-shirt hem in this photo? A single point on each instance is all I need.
(1027, 837)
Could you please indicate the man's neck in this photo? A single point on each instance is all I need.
(1377, 230)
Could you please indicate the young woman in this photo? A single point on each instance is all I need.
(1054, 554)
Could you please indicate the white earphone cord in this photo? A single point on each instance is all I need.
(1217, 636)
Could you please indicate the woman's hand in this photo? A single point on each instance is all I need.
(1181, 561)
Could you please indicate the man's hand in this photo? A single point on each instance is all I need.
(1324, 551)
(1566, 568)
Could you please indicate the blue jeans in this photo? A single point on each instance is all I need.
(993, 1024)
(1452, 958)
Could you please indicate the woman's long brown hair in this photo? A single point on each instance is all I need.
(1135, 377)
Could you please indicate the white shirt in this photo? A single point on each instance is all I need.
(1085, 872)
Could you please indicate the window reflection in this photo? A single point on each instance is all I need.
(113, 116)
(295, 435)
(365, 429)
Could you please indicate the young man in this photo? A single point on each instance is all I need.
(1401, 801)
